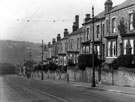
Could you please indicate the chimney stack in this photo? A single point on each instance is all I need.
(76, 23)
(53, 41)
(49, 44)
(108, 6)
(87, 18)
(58, 37)
(65, 33)
(77, 20)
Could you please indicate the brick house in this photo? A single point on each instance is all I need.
(119, 30)
(54, 52)
(48, 52)
(114, 34)
(74, 40)
(62, 58)
(109, 42)
(99, 42)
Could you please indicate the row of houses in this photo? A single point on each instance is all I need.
(114, 34)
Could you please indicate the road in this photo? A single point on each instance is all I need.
(16, 89)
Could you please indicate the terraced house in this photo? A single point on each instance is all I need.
(119, 29)
(114, 34)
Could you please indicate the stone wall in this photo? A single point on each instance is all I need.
(122, 77)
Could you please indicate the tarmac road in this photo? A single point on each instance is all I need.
(16, 89)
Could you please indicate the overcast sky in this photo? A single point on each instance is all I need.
(36, 20)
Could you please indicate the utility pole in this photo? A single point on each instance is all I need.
(30, 55)
(42, 46)
(93, 66)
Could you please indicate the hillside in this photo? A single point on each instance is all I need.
(17, 51)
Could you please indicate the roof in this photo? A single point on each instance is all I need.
(64, 38)
(126, 3)
(101, 15)
(78, 31)
(97, 17)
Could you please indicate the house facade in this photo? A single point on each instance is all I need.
(119, 29)
(114, 34)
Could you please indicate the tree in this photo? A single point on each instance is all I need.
(122, 27)
(134, 19)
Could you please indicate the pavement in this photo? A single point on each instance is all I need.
(101, 87)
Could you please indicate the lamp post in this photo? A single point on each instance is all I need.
(42, 61)
(93, 67)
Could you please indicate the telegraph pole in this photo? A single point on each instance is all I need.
(30, 55)
(93, 66)
(42, 46)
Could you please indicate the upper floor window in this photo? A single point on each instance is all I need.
(80, 39)
(88, 31)
(66, 46)
(113, 25)
(78, 43)
(61, 47)
(103, 29)
(97, 31)
(131, 21)
(107, 25)
(71, 44)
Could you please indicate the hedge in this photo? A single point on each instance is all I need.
(86, 61)
(127, 61)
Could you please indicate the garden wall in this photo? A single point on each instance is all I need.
(122, 77)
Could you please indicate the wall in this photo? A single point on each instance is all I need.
(122, 77)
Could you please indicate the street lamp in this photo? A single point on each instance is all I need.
(93, 67)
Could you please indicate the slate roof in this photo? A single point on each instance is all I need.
(126, 3)
(78, 31)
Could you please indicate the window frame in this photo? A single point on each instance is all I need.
(111, 50)
(131, 21)
(98, 30)
(113, 25)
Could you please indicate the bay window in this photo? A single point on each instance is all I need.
(128, 46)
(112, 48)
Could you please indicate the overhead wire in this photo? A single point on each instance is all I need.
(28, 20)
(62, 19)
(54, 21)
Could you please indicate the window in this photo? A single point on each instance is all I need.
(97, 31)
(61, 47)
(131, 21)
(66, 46)
(107, 25)
(87, 49)
(80, 39)
(97, 50)
(87, 36)
(113, 25)
(78, 43)
(103, 27)
(71, 43)
(109, 49)
(112, 48)
(128, 46)
(125, 43)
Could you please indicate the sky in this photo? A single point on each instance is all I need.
(37, 20)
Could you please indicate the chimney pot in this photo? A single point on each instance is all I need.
(58, 37)
(53, 41)
(87, 17)
(65, 33)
